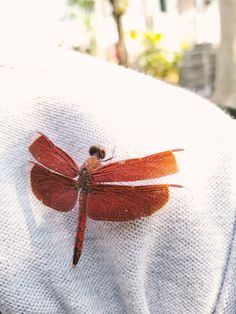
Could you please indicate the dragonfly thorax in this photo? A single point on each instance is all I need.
(84, 179)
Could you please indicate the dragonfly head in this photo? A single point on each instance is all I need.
(97, 151)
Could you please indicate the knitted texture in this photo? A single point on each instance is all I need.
(182, 259)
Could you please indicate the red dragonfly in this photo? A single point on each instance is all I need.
(57, 181)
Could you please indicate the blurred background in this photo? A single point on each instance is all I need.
(191, 43)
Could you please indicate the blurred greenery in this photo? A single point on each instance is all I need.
(155, 60)
(87, 5)
(84, 15)
(119, 6)
(118, 9)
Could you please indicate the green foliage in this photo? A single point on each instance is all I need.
(119, 6)
(82, 10)
(155, 60)
(87, 5)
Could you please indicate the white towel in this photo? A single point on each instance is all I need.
(182, 259)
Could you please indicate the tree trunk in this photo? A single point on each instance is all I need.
(225, 83)
(120, 47)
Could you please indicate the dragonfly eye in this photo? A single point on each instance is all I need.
(98, 151)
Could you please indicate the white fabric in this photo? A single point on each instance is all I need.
(180, 260)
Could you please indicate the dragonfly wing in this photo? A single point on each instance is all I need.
(122, 203)
(54, 190)
(150, 167)
(53, 157)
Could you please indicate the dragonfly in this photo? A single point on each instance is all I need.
(59, 183)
